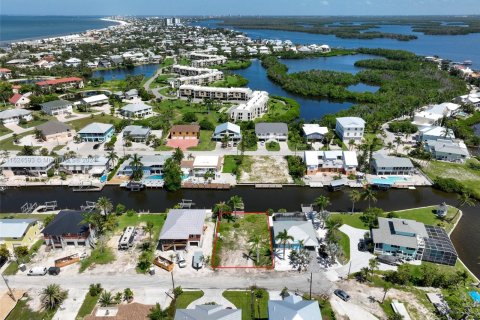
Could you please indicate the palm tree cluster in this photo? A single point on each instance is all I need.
(102, 219)
(53, 296)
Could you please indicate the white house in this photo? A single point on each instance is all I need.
(19, 100)
(335, 161)
(136, 110)
(99, 99)
(313, 131)
(28, 165)
(57, 107)
(293, 308)
(204, 164)
(15, 116)
(436, 133)
(91, 165)
(73, 62)
(350, 128)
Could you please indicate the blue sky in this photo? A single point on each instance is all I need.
(239, 7)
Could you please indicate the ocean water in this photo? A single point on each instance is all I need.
(14, 28)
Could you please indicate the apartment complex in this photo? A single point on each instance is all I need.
(225, 94)
(206, 60)
(254, 108)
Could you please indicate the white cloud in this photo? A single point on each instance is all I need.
(325, 2)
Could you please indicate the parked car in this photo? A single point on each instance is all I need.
(362, 245)
(53, 271)
(37, 271)
(342, 295)
(197, 261)
(181, 260)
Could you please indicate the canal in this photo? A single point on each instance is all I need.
(465, 237)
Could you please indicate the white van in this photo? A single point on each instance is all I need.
(181, 260)
(37, 271)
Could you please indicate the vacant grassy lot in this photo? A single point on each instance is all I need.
(230, 81)
(80, 123)
(234, 246)
(205, 143)
(245, 299)
(344, 243)
(458, 171)
(264, 169)
(102, 254)
(229, 164)
(22, 311)
(7, 144)
(137, 219)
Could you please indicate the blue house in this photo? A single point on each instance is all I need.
(96, 132)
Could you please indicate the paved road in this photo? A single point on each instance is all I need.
(218, 280)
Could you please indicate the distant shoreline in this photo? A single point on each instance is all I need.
(6, 43)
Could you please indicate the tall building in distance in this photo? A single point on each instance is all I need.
(170, 22)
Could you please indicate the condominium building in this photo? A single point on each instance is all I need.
(200, 79)
(226, 94)
(254, 108)
(206, 60)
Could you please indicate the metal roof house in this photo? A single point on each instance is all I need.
(276, 131)
(386, 165)
(299, 230)
(28, 165)
(293, 308)
(136, 133)
(350, 128)
(331, 161)
(18, 232)
(15, 116)
(313, 131)
(447, 150)
(136, 110)
(152, 165)
(96, 132)
(208, 312)
(183, 228)
(231, 130)
(67, 229)
(92, 165)
(57, 107)
(55, 129)
(410, 239)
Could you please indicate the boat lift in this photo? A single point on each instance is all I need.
(186, 204)
(28, 207)
(89, 206)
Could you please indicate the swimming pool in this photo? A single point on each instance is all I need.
(388, 180)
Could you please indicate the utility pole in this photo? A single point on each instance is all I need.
(349, 267)
(173, 282)
(9, 289)
(311, 281)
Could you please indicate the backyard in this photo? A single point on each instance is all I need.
(205, 143)
(242, 238)
(264, 169)
(80, 123)
(258, 298)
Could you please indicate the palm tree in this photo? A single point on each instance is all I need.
(351, 143)
(221, 208)
(104, 205)
(321, 202)
(53, 296)
(106, 298)
(283, 237)
(389, 147)
(354, 196)
(128, 294)
(149, 228)
(398, 141)
(224, 140)
(112, 157)
(369, 195)
(386, 286)
(156, 313)
(322, 216)
(464, 199)
(255, 242)
(137, 167)
(236, 202)
(178, 155)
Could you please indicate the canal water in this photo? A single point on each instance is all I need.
(455, 48)
(120, 73)
(466, 236)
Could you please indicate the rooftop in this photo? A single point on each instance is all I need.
(66, 222)
(14, 228)
(96, 127)
(181, 223)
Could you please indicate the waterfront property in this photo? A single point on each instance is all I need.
(194, 76)
(96, 132)
(54, 130)
(62, 84)
(433, 114)
(18, 232)
(57, 107)
(183, 228)
(387, 165)
(15, 116)
(413, 240)
(68, 229)
(298, 227)
(136, 133)
(206, 164)
(229, 130)
(350, 128)
(95, 166)
(201, 60)
(185, 131)
(271, 131)
(215, 93)
(255, 107)
(436, 133)
(27, 165)
(152, 165)
(136, 110)
(97, 100)
(208, 312)
(293, 307)
(313, 132)
(131, 94)
(447, 150)
(335, 161)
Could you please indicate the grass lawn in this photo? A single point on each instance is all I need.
(272, 146)
(281, 109)
(206, 143)
(22, 311)
(168, 92)
(39, 119)
(243, 300)
(229, 164)
(369, 139)
(325, 308)
(186, 298)
(344, 243)
(88, 305)
(80, 123)
(4, 130)
(234, 65)
(458, 171)
(102, 254)
(425, 215)
(167, 62)
(8, 144)
(233, 80)
(157, 219)
(184, 62)
(235, 234)
(12, 268)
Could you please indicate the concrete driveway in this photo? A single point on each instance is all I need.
(72, 304)
(350, 310)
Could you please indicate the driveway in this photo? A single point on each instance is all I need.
(350, 310)
(214, 295)
(72, 304)
(16, 128)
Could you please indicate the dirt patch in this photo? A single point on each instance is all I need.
(265, 169)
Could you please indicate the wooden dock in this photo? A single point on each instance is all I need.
(219, 186)
(268, 186)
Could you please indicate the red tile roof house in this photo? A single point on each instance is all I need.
(19, 101)
(5, 73)
(61, 84)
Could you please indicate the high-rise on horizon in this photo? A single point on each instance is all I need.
(246, 7)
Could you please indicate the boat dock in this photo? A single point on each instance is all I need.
(220, 186)
(86, 187)
(268, 186)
